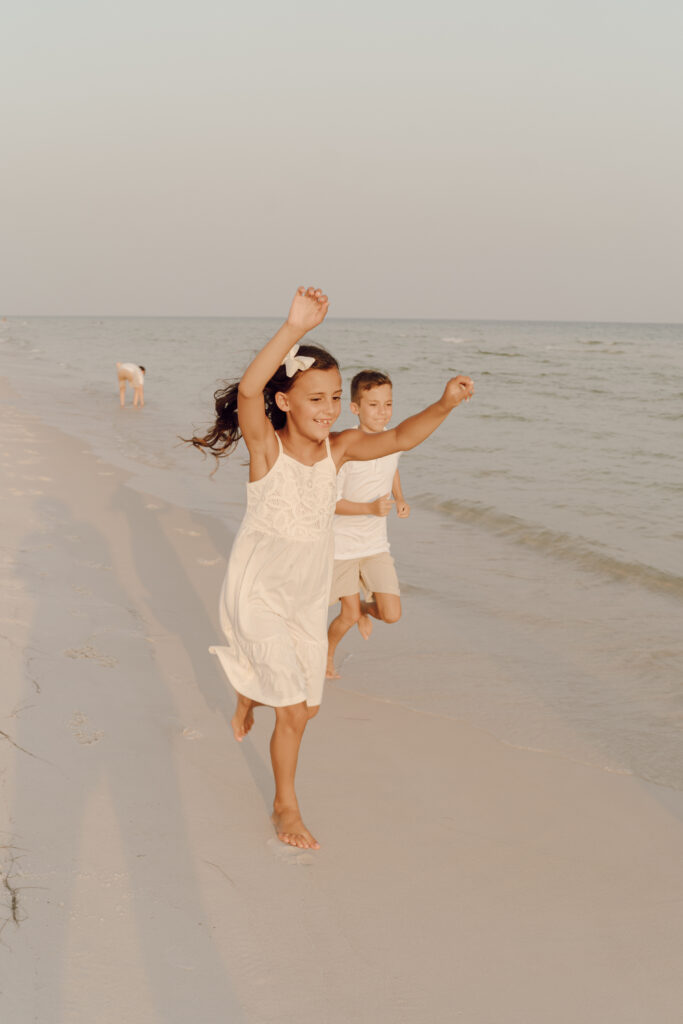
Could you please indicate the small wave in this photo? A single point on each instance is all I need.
(503, 355)
(507, 417)
(455, 341)
(558, 545)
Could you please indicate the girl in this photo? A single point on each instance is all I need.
(273, 606)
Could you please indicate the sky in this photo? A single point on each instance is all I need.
(489, 160)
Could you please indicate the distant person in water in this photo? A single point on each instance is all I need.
(130, 373)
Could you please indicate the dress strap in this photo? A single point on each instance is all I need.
(327, 445)
(279, 442)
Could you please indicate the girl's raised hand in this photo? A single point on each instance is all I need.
(459, 389)
(308, 309)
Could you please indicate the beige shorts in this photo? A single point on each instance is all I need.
(376, 574)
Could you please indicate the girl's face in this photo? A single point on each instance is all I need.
(313, 402)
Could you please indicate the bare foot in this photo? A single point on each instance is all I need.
(365, 626)
(291, 830)
(331, 672)
(243, 719)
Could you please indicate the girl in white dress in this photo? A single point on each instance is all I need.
(273, 606)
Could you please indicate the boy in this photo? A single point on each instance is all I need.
(361, 547)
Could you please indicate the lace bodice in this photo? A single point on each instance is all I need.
(293, 500)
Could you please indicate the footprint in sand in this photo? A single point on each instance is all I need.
(82, 733)
(192, 734)
(91, 653)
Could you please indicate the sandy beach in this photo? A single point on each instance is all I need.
(460, 879)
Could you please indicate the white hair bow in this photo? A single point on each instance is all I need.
(292, 362)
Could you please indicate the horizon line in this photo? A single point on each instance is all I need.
(406, 319)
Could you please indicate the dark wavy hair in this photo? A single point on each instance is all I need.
(222, 438)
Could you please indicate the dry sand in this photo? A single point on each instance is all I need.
(459, 879)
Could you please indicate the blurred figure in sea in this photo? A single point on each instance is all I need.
(131, 373)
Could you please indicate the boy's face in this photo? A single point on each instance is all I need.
(374, 408)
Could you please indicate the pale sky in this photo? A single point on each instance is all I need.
(495, 159)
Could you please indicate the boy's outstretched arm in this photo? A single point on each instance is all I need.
(357, 445)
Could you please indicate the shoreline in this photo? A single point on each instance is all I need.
(495, 628)
(137, 844)
(572, 653)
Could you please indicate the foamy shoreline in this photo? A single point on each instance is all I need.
(459, 879)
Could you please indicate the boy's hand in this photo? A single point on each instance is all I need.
(308, 309)
(459, 389)
(382, 507)
(402, 509)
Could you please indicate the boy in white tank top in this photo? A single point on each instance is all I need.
(361, 545)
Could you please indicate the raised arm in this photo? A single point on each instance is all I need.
(357, 445)
(308, 309)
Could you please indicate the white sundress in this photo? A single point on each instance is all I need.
(273, 604)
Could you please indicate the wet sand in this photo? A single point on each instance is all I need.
(459, 878)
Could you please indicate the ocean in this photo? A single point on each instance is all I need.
(541, 566)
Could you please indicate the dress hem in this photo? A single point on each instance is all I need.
(223, 652)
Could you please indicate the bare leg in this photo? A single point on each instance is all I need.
(290, 723)
(243, 719)
(385, 607)
(364, 625)
(348, 616)
(138, 397)
(122, 392)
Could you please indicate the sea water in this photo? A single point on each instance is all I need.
(541, 566)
